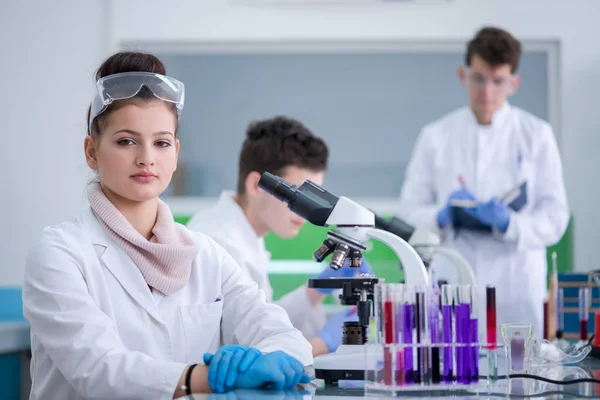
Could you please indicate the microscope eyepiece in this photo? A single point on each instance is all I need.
(310, 201)
(277, 187)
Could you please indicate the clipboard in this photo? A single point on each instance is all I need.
(460, 210)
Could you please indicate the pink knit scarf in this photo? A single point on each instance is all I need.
(165, 260)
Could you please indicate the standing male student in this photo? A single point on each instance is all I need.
(478, 153)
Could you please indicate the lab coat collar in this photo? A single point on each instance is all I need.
(120, 265)
(232, 208)
(498, 118)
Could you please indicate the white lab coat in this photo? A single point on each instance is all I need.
(493, 159)
(98, 332)
(229, 226)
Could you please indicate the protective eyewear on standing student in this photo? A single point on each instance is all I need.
(499, 83)
(126, 85)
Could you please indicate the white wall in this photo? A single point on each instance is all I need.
(573, 23)
(49, 50)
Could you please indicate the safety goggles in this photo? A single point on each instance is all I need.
(126, 85)
(498, 83)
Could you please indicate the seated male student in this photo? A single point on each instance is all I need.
(240, 220)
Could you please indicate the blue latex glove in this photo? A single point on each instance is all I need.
(275, 370)
(345, 272)
(494, 213)
(444, 216)
(331, 334)
(225, 365)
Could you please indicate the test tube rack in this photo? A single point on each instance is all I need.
(427, 340)
(386, 370)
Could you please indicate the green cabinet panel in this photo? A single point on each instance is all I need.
(384, 262)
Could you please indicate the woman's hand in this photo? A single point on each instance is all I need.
(225, 365)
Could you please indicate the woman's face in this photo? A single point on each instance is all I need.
(136, 152)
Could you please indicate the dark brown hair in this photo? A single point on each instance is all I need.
(273, 144)
(126, 61)
(496, 47)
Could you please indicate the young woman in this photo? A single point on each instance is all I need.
(122, 301)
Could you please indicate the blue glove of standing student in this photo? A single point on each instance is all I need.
(345, 272)
(494, 213)
(227, 363)
(275, 370)
(331, 334)
(444, 216)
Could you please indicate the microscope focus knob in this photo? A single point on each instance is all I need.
(353, 333)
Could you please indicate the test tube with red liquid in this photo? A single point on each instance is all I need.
(584, 312)
(389, 329)
(491, 327)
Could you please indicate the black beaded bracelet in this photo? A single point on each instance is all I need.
(188, 378)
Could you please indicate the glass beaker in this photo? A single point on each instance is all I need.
(517, 347)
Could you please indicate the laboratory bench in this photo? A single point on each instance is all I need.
(14, 339)
(537, 390)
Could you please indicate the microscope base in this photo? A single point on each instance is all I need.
(347, 363)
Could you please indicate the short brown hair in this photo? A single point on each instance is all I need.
(273, 144)
(126, 61)
(496, 47)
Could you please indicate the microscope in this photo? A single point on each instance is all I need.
(355, 226)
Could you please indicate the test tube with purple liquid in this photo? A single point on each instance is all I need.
(447, 359)
(463, 334)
